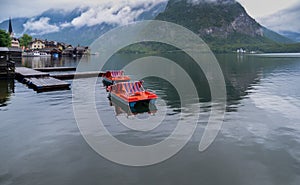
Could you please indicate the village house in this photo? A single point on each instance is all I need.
(15, 43)
(54, 44)
(50, 44)
(37, 44)
(81, 50)
(68, 51)
(50, 47)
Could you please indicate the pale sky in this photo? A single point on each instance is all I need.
(278, 15)
(261, 8)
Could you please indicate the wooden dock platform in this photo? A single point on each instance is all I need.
(46, 84)
(42, 81)
(24, 72)
(39, 81)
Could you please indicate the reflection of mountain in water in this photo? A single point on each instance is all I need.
(6, 89)
(241, 73)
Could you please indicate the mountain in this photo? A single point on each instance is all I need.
(294, 36)
(280, 38)
(83, 25)
(223, 24)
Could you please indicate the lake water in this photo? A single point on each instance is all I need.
(259, 142)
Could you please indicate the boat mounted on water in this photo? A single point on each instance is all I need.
(131, 94)
(121, 108)
(115, 76)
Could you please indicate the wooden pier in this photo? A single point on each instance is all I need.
(70, 75)
(49, 69)
(24, 72)
(46, 84)
(41, 81)
(7, 69)
(76, 75)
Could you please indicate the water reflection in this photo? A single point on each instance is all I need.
(242, 73)
(121, 108)
(41, 62)
(7, 87)
(260, 132)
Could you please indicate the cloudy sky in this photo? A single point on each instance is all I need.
(284, 20)
(23, 8)
(276, 14)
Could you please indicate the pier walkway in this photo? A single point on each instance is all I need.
(41, 81)
(46, 84)
(49, 69)
(75, 75)
(24, 72)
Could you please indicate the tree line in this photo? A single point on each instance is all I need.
(5, 40)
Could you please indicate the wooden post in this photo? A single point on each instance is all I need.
(7, 69)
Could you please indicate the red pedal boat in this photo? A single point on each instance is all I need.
(112, 77)
(131, 93)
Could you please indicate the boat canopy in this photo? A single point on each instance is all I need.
(128, 87)
(117, 73)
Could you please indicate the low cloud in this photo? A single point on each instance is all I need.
(286, 20)
(65, 25)
(196, 2)
(118, 12)
(41, 26)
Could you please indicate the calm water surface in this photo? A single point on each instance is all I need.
(259, 142)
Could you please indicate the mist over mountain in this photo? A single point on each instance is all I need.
(221, 23)
(295, 36)
(285, 22)
(84, 25)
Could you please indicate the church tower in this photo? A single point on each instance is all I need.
(10, 29)
(14, 41)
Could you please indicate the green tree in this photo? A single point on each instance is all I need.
(5, 40)
(25, 40)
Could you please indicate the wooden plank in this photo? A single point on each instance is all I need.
(86, 74)
(24, 72)
(49, 69)
(46, 84)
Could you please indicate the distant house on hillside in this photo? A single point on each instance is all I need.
(50, 44)
(37, 44)
(69, 51)
(80, 50)
(58, 48)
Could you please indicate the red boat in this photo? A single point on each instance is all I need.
(131, 93)
(112, 77)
